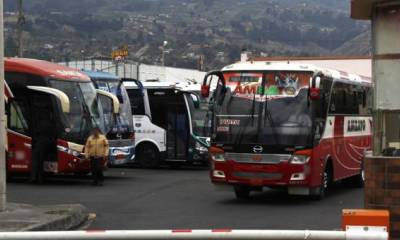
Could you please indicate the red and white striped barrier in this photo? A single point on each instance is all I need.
(218, 234)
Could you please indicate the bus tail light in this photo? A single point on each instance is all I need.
(217, 154)
(300, 157)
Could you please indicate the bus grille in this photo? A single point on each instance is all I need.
(121, 142)
(257, 158)
(258, 175)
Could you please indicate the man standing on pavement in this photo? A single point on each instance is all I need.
(96, 149)
(44, 142)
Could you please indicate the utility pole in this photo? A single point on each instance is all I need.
(20, 23)
(3, 195)
(165, 43)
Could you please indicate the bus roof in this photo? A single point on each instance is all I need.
(164, 85)
(297, 67)
(43, 69)
(101, 75)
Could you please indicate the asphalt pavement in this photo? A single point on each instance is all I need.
(137, 199)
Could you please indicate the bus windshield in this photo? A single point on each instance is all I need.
(85, 110)
(201, 116)
(123, 124)
(265, 108)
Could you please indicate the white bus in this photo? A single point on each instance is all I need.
(170, 123)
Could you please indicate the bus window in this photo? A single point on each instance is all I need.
(15, 119)
(344, 99)
(102, 86)
(137, 101)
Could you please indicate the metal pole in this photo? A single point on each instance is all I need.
(198, 235)
(3, 196)
(163, 56)
(138, 71)
(124, 69)
(20, 23)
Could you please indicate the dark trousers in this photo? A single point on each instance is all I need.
(39, 155)
(97, 169)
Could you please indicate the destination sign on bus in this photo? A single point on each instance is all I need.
(283, 83)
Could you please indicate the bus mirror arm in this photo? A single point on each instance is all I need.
(60, 95)
(205, 87)
(113, 98)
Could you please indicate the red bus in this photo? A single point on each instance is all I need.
(292, 126)
(46, 100)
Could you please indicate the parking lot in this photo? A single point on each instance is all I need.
(184, 198)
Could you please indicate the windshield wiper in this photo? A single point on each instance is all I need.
(267, 115)
(243, 128)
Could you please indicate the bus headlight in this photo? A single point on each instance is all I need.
(218, 157)
(299, 159)
(217, 154)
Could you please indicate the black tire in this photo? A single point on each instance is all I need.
(148, 156)
(358, 181)
(242, 192)
(326, 182)
(81, 174)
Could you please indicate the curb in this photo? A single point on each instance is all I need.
(45, 218)
(68, 217)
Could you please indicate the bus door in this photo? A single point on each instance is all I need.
(178, 131)
(169, 112)
(19, 143)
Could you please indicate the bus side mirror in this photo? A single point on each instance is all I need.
(119, 92)
(205, 91)
(114, 99)
(315, 94)
(196, 100)
(314, 90)
(119, 95)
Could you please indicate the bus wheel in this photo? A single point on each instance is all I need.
(148, 156)
(326, 180)
(81, 174)
(242, 192)
(358, 181)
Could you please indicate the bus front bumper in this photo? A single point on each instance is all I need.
(121, 155)
(260, 175)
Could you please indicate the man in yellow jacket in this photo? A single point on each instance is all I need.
(96, 149)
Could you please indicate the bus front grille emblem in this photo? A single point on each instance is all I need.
(258, 149)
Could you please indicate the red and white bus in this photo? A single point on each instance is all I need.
(285, 125)
(52, 102)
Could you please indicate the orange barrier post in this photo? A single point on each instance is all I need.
(365, 220)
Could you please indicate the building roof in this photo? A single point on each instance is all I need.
(362, 9)
(164, 85)
(43, 69)
(101, 75)
(291, 58)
